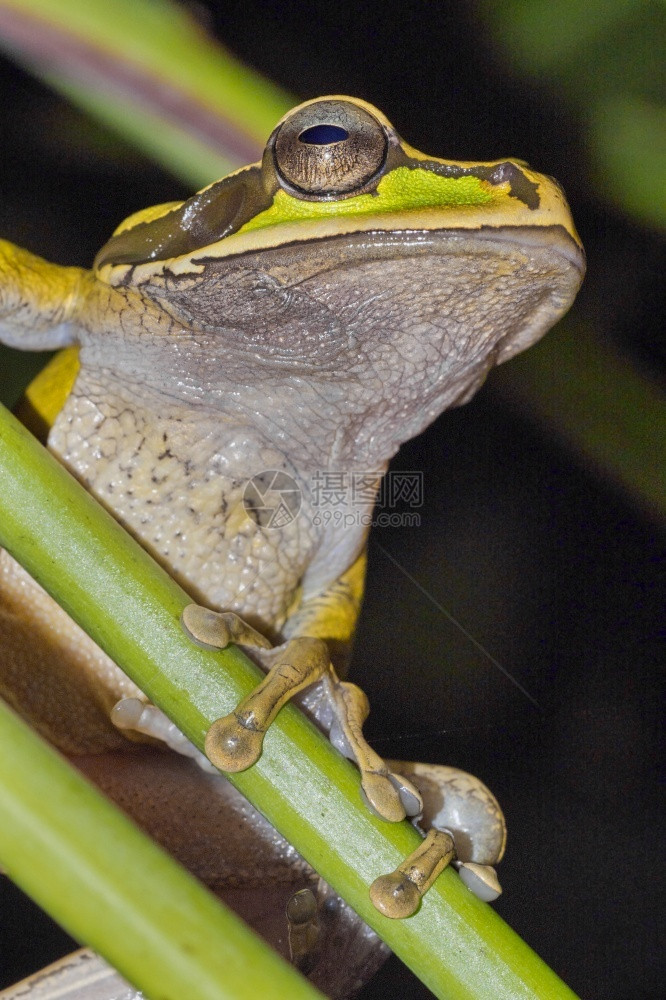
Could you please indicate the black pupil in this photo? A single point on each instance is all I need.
(323, 135)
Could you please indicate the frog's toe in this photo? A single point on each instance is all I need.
(216, 629)
(233, 746)
(395, 895)
(390, 796)
(206, 628)
(303, 929)
(398, 895)
(386, 797)
(127, 713)
(410, 797)
(136, 716)
(480, 879)
(381, 796)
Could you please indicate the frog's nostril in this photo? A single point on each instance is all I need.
(323, 135)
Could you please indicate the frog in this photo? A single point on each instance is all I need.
(303, 316)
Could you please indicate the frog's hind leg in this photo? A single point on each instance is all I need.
(51, 672)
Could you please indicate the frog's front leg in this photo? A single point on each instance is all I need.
(234, 742)
(37, 300)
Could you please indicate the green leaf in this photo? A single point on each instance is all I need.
(605, 410)
(627, 143)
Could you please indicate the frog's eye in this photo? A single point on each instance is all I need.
(328, 149)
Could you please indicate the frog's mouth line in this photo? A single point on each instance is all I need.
(554, 237)
(230, 204)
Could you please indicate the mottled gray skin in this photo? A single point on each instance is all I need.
(323, 356)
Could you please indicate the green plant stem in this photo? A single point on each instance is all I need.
(109, 885)
(456, 944)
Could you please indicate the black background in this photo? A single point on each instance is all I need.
(542, 563)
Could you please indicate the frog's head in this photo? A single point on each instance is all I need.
(348, 258)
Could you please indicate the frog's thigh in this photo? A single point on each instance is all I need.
(51, 671)
(466, 828)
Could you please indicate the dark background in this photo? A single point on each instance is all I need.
(542, 563)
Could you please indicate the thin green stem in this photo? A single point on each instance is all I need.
(146, 69)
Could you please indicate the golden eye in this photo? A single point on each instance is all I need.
(327, 149)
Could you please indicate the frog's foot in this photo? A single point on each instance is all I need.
(398, 895)
(134, 715)
(467, 831)
(234, 743)
(390, 795)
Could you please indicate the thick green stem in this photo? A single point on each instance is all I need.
(109, 885)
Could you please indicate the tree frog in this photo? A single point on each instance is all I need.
(301, 317)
